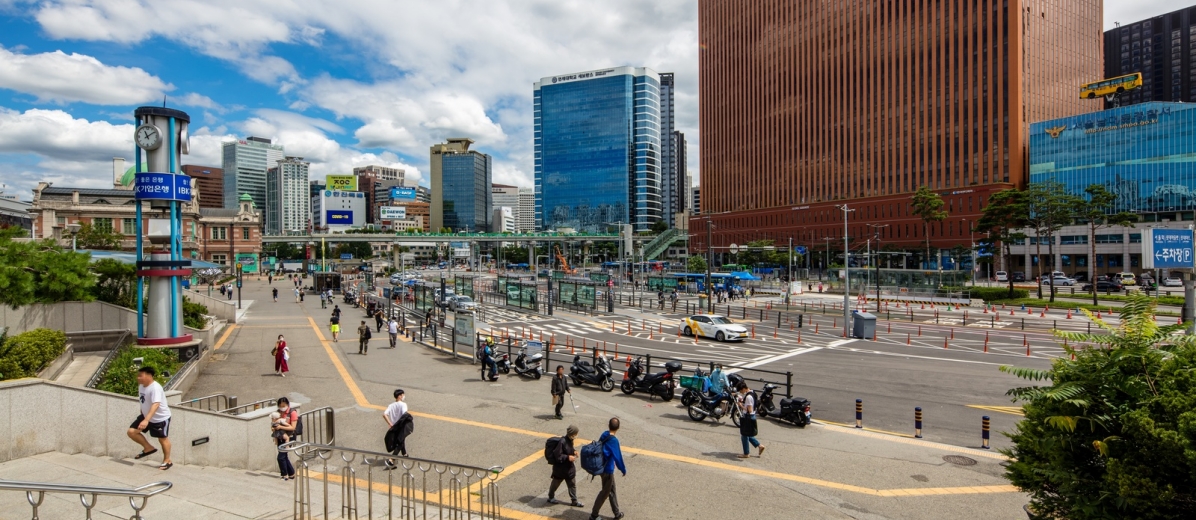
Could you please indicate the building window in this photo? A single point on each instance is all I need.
(1114, 260)
(1135, 238)
(102, 224)
(244, 233)
(219, 233)
(1112, 239)
(220, 259)
(128, 226)
(1071, 240)
(60, 221)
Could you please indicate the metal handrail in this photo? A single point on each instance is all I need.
(222, 402)
(234, 409)
(41, 488)
(98, 376)
(458, 491)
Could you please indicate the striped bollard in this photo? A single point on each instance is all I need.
(917, 422)
(859, 413)
(984, 432)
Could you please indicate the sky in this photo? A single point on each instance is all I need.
(341, 84)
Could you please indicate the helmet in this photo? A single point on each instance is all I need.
(489, 341)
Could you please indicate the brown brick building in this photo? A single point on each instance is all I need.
(210, 184)
(809, 105)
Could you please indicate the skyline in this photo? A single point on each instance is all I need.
(362, 84)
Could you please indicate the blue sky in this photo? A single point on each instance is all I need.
(342, 84)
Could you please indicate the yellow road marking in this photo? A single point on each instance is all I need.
(1011, 410)
(224, 337)
(363, 402)
(925, 444)
(431, 497)
(886, 432)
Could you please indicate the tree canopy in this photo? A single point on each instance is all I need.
(40, 271)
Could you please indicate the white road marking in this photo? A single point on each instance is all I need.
(769, 359)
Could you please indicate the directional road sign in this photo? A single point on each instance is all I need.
(1168, 249)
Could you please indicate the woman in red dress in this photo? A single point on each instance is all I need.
(282, 354)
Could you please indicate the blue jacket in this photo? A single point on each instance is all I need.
(612, 454)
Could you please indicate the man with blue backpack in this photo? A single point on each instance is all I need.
(600, 458)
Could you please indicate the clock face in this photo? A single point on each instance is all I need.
(149, 137)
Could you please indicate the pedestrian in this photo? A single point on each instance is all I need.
(282, 355)
(563, 468)
(334, 325)
(393, 329)
(660, 299)
(363, 339)
(300, 295)
(230, 292)
(379, 321)
(673, 297)
(559, 387)
(154, 418)
(336, 311)
(284, 458)
(275, 291)
(399, 426)
(613, 455)
(270, 278)
(296, 295)
(323, 300)
(747, 421)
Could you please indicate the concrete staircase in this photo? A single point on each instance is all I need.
(81, 368)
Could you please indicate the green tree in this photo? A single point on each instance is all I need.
(1097, 211)
(41, 272)
(1049, 208)
(1113, 434)
(283, 251)
(115, 282)
(359, 250)
(928, 206)
(696, 264)
(98, 238)
(660, 227)
(1002, 222)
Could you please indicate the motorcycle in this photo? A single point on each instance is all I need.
(795, 411)
(690, 395)
(529, 360)
(660, 384)
(350, 297)
(502, 363)
(598, 374)
(717, 407)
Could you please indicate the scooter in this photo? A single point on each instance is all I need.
(795, 411)
(527, 365)
(599, 374)
(502, 364)
(717, 407)
(660, 384)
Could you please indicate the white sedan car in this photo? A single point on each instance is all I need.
(712, 326)
(1173, 282)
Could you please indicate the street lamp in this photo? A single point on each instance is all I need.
(73, 229)
(876, 234)
(846, 274)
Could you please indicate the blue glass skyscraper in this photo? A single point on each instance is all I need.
(598, 149)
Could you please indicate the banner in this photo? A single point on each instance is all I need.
(248, 262)
(399, 193)
(393, 213)
(162, 186)
(341, 182)
(337, 217)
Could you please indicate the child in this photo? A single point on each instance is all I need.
(277, 419)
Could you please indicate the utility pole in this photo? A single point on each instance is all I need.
(876, 234)
(846, 275)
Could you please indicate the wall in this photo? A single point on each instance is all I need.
(33, 412)
(86, 316)
(223, 309)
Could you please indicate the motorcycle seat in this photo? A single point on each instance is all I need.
(796, 401)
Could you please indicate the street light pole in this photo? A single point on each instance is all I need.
(876, 234)
(709, 260)
(846, 275)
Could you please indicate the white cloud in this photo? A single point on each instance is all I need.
(57, 134)
(65, 78)
(192, 99)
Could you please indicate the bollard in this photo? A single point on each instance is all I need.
(984, 432)
(952, 333)
(917, 422)
(986, 342)
(944, 343)
(859, 413)
(919, 331)
(907, 339)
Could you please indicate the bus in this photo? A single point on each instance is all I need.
(733, 267)
(1111, 86)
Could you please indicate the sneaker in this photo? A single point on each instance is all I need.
(618, 516)
(559, 416)
(553, 501)
(577, 504)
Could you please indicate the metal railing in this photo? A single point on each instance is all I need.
(88, 495)
(98, 376)
(235, 409)
(319, 427)
(211, 403)
(422, 488)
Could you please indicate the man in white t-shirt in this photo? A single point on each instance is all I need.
(398, 424)
(393, 329)
(154, 418)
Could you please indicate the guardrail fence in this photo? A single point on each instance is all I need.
(88, 495)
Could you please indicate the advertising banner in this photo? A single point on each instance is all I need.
(400, 193)
(248, 262)
(341, 182)
(338, 217)
(393, 213)
(463, 332)
(162, 186)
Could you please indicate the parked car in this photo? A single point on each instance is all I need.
(1059, 281)
(1081, 276)
(1103, 286)
(1127, 279)
(1002, 276)
(462, 304)
(442, 300)
(1019, 276)
(1173, 282)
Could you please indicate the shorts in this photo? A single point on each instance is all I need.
(334, 328)
(157, 430)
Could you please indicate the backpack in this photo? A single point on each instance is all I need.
(298, 424)
(368, 334)
(550, 449)
(592, 459)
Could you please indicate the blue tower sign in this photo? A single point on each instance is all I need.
(161, 136)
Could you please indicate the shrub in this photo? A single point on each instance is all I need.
(990, 294)
(26, 354)
(194, 314)
(121, 376)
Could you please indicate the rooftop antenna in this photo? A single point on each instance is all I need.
(163, 100)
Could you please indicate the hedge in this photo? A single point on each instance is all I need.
(194, 314)
(989, 294)
(121, 376)
(27, 353)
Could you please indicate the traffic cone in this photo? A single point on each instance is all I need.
(1069, 314)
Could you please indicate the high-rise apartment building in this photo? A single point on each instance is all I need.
(288, 197)
(525, 218)
(461, 198)
(245, 163)
(677, 158)
(505, 196)
(695, 200)
(209, 182)
(598, 149)
(806, 108)
(669, 203)
(1161, 48)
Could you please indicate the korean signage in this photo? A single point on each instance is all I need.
(398, 193)
(393, 213)
(248, 262)
(338, 217)
(463, 328)
(162, 186)
(341, 182)
(1167, 249)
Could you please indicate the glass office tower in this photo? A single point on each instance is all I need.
(598, 149)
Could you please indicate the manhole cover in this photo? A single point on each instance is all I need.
(959, 460)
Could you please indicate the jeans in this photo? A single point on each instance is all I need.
(284, 464)
(746, 440)
(608, 491)
(493, 366)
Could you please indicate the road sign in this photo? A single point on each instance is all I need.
(801, 250)
(162, 186)
(1168, 249)
(346, 256)
(734, 248)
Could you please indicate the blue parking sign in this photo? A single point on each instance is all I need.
(1168, 249)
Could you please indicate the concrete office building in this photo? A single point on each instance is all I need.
(245, 163)
(670, 204)
(338, 211)
(805, 108)
(680, 184)
(598, 149)
(503, 220)
(382, 173)
(505, 196)
(1162, 49)
(288, 197)
(526, 216)
(461, 198)
(695, 200)
(209, 182)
